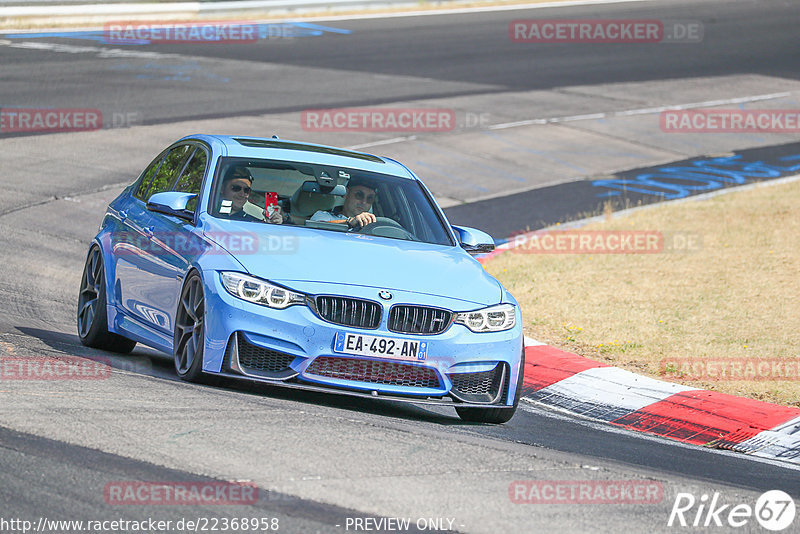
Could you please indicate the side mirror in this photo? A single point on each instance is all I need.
(172, 203)
(474, 241)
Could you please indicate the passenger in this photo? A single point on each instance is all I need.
(236, 186)
(355, 210)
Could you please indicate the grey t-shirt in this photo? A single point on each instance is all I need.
(326, 216)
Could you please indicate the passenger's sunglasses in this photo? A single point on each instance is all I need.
(361, 196)
(236, 188)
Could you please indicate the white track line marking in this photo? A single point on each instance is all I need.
(595, 116)
(102, 52)
(383, 142)
(640, 111)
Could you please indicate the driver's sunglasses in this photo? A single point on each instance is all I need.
(236, 188)
(361, 196)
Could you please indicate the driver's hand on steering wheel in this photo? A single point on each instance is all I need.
(362, 219)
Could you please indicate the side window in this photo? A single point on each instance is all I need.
(192, 178)
(170, 169)
(147, 175)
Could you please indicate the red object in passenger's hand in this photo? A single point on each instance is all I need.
(271, 203)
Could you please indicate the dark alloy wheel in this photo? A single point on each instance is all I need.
(92, 317)
(495, 415)
(189, 330)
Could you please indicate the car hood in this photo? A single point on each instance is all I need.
(300, 258)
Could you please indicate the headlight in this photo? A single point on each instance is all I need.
(260, 291)
(491, 319)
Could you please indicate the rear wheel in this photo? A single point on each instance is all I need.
(92, 316)
(190, 330)
(495, 415)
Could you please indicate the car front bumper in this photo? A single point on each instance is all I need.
(294, 347)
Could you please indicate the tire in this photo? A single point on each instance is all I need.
(189, 338)
(92, 315)
(495, 415)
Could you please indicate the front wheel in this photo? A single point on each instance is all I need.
(92, 316)
(495, 415)
(189, 336)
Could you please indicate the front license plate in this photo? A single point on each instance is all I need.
(382, 347)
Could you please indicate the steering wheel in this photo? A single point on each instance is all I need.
(386, 227)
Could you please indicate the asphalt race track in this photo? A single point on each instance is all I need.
(321, 460)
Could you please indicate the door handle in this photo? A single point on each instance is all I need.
(149, 231)
(123, 215)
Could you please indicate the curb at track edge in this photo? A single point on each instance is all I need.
(598, 391)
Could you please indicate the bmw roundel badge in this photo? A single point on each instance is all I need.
(385, 295)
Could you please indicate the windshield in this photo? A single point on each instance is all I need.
(323, 197)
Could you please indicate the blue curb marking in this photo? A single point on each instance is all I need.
(700, 175)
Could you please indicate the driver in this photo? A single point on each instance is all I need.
(355, 211)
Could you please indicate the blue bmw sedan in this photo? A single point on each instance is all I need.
(303, 266)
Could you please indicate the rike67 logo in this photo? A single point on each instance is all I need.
(774, 510)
